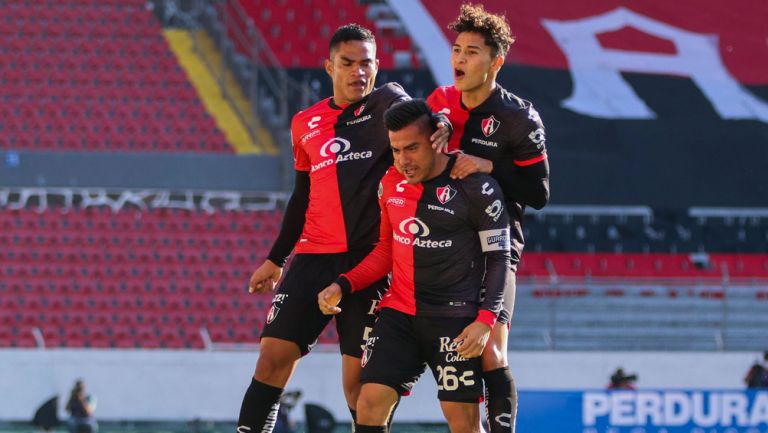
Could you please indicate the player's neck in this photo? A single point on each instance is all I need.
(477, 96)
(441, 163)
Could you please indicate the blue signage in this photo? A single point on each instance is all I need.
(646, 411)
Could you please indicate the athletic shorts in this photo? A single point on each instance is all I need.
(400, 346)
(295, 315)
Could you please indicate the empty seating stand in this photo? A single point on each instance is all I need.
(93, 278)
(87, 75)
(298, 31)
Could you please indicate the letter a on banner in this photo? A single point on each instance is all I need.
(599, 90)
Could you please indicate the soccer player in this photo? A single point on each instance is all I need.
(442, 238)
(341, 151)
(500, 134)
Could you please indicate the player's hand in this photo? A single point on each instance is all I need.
(468, 164)
(441, 137)
(472, 340)
(265, 277)
(328, 300)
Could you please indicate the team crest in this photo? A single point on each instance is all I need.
(445, 194)
(366, 357)
(490, 125)
(272, 313)
(359, 110)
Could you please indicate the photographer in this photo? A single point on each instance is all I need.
(81, 407)
(620, 380)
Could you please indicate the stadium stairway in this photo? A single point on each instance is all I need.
(204, 82)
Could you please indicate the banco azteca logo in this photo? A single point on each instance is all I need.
(334, 146)
(413, 226)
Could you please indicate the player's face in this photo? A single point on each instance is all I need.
(352, 67)
(473, 64)
(413, 153)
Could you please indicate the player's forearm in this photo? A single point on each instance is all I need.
(497, 277)
(375, 266)
(527, 185)
(293, 220)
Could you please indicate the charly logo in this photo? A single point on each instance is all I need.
(413, 226)
(534, 115)
(486, 189)
(445, 110)
(335, 146)
(313, 122)
(445, 194)
(489, 125)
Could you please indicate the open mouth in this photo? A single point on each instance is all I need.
(458, 73)
(360, 84)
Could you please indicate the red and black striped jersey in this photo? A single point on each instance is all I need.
(442, 239)
(346, 152)
(504, 129)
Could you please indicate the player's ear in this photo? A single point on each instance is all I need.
(328, 67)
(497, 63)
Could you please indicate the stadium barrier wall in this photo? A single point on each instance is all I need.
(186, 385)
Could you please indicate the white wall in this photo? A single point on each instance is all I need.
(182, 385)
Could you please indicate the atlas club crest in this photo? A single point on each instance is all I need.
(445, 194)
(489, 125)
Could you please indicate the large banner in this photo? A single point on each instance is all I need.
(649, 102)
(647, 411)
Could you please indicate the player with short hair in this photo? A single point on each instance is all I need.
(443, 239)
(500, 134)
(341, 151)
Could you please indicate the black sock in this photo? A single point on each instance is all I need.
(370, 428)
(258, 412)
(392, 414)
(501, 400)
(354, 418)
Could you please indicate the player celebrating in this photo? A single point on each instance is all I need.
(442, 238)
(502, 135)
(341, 151)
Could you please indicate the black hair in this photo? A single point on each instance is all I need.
(350, 32)
(404, 113)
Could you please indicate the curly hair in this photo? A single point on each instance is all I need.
(494, 28)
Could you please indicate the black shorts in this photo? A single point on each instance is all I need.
(295, 315)
(400, 346)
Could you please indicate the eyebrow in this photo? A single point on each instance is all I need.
(468, 46)
(347, 59)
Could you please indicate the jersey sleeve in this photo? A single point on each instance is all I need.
(527, 141)
(395, 93)
(301, 161)
(378, 263)
(491, 220)
(435, 100)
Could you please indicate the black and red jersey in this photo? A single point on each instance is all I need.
(442, 239)
(346, 152)
(504, 129)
